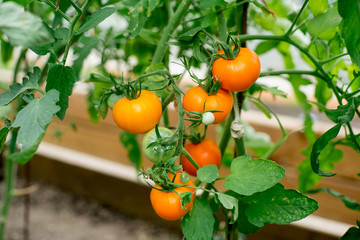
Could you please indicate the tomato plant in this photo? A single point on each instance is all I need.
(138, 115)
(312, 45)
(204, 153)
(196, 99)
(237, 74)
(167, 203)
(153, 149)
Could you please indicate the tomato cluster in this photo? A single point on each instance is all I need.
(212, 101)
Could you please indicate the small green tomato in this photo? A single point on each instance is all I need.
(208, 118)
(158, 153)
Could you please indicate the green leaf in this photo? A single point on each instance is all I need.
(152, 5)
(189, 35)
(258, 142)
(61, 33)
(349, 203)
(318, 6)
(243, 224)
(211, 3)
(3, 134)
(6, 51)
(33, 121)
(265, 46)
(352, 234)
(273, 90)
(82, 50)
(230, 203)
(328, 157)
(129, 140)
(22, 28)
(343, 113)
(30, 82)
(249, 176)
(325, 25)
(94, 19)
(137, 19)
(208, 173)
(61, 78)
(278, 206)
(198, 224)
(349, 10)
(322, 92)
(318, 146)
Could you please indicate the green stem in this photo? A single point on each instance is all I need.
(333, 58)
(190, 158)
(226, 135)
(290, 72)
(71, 32)
(77, 8)
(18, 62)
(57, 10)
(276, 146)
(169, 29)
(10, 178)
(296, 18)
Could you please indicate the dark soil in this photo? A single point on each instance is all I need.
(58, 215)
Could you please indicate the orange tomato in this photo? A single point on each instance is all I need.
(195, 98)
(204, 153)
(237, 74)
(167, 203)
(138, 115)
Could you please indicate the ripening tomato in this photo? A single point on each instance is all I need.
(167, 203)
(138, 115)
(195, 98)
(204, 153)
(158, 153)
(237, 74)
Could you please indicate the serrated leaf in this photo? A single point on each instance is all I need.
(30, 82)
(248, 176)
(208, 173)
(198, 224)
(33, 121)
(94, 19)
(230, 203)
(22, 28)
(349, 10)
(324, 25)
(129, 140)
(278, 206)
(319, 145)
(61, 78)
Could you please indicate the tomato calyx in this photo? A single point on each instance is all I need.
(230, 51)
(163, 174)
